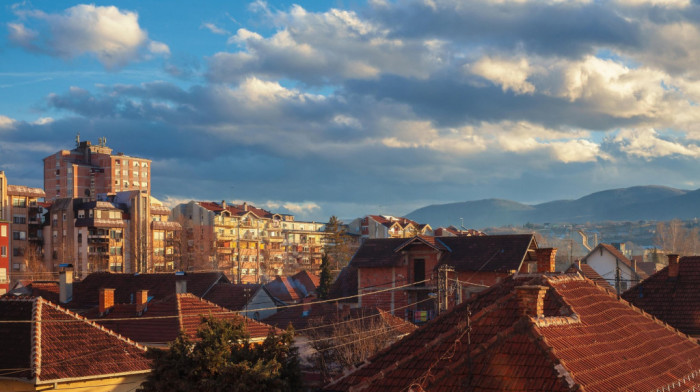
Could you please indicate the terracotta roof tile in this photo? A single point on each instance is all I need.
(675, 301)
(180, 312)
(587, 339)
(63, 345)
(309, 281)
(159, 286)
(588, 271)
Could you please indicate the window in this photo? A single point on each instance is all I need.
(117, 172)
(144, 174)
(19, 235)
(64, 217)
(116, 182)
(117, 163)
(136, 164)
(18, 252)
(55, 234)
(3, 231)
(3, 251)
(19, 219)
(144, 164)
(3, 275)
(158, 251)
(19, 202)
(81, 213)
(158, 235)
(80, 238)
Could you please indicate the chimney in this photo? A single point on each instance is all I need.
(673, 266)
(65, 284)
(245, 206)
(106, 300)
(634, 265)
(141, 301)
(223, 204)
(531, 300)
(546, 259)
(180, 286)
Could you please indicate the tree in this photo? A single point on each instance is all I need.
(223, 359)
(675, 237)
(338, 244)
(324, 286)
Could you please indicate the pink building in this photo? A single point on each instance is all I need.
(90, 169)
(4, 256)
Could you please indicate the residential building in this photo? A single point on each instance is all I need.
(180, 312)
(53, 348)
(614, 267)
(381, 265)
(4, 257)
(535, 333)
(588, 272)
(251, 244)
(125, 232)
(455, 232)
(22, 207)
(250, 300)
(672, 294)
(386, 226)
(88, 170)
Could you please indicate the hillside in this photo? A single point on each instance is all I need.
(626, 204)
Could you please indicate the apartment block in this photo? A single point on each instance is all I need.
(4, 256)
(22, 206)
(126, 232)
(249, 243)
(88, 170)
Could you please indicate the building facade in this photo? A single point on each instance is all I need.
(4, 256)
(385, 226)
(88, 170)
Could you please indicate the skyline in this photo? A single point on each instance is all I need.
(351, 107)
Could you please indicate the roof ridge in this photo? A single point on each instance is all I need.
(36, 338)
(94, 324)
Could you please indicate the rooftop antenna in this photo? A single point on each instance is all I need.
(77, 139)
(461, 223)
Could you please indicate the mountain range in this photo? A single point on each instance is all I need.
(626, 204)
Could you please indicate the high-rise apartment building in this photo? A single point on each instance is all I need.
(21, 206)
(88, 170)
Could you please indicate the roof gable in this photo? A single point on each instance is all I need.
(56, 344)
(233, 296)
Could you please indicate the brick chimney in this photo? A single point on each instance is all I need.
(65, 284)
(223, 204)
(106, 299)
(546, 259)
(141, 301)
(673, 266)
(531, 300)
(634, 265)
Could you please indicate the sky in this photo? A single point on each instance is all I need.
(350, 108)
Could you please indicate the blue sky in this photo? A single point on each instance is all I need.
(354, 107)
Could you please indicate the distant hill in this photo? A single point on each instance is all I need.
(626, 204)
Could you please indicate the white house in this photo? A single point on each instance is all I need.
(613, 266)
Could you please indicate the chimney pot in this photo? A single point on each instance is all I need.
(106, 300)
(141, 300)
(673, 266)
(65, 284)
(531, 299)
(546, 259)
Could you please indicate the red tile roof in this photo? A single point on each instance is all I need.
(588, 271)
(56, 344)
(21, 190)
(309, 281)
(587, 340)
(159, 286)
(232, 296)
(162, 320)
(283, 288)
(675, 301)
(49, 290)
(314, 316)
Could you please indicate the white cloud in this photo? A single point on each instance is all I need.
(301, 208)
(655, 3)
(509, 74)
(214, 28)
(111, 35)
(43, 121)
(646, 143)
(6, 122)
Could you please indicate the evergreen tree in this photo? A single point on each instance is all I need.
(338, 245)
(324, 287)
(223, 359)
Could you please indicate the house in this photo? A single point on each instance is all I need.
(156, 323)
(307, 281)
(386, 226)
(286, 290)
(455, 232)
(614, 267)
(52, 348)
(252, 300)
(672, 294)
(535, 332)
(394, 273)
